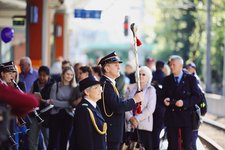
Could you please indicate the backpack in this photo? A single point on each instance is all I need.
(203, 104)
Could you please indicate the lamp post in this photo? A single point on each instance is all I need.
(208, 48)
(224, 63)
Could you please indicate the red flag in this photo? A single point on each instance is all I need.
(138, 107)
(138, 42)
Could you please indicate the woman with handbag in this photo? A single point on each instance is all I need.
(61, 118)
(143, 121)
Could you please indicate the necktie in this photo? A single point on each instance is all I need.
(98, 109)
(176, 80)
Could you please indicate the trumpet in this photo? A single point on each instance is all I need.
(21, 121)
(16, 85)
(40, 120)
(11, 140)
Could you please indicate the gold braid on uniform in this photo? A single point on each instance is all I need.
(95, 125)
(103, 100)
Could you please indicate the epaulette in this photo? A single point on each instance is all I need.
(85, 105)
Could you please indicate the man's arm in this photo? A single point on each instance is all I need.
(20, 103)
(114, 102)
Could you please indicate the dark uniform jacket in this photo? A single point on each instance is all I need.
(157, 81)
(84, 135)
(188, 91)
(116, 105)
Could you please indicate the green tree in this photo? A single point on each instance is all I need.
(181, 30)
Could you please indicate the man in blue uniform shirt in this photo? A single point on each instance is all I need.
(180, 94)
(112, 106)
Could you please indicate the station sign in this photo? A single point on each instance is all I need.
(83, 13)
(18, 20)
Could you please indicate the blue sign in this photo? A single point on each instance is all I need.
(82, 13)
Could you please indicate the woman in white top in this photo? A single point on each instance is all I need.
(143, 121)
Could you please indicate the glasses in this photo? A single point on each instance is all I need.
(141, 74)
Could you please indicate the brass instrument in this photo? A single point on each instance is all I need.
(11, 140)
(40, 120)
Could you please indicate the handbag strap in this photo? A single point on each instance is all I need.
(141, 147)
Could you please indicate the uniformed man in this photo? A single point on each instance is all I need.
(89, 132)
(112, 106)
(180, 94)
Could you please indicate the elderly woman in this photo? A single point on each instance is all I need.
(143, 121)
(89, 128)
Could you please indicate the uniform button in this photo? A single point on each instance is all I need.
(110, 124)
(173, 110)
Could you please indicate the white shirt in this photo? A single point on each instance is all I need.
(113, 81)
(179, 76)
(91, 102)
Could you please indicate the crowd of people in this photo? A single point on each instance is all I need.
(99, 107)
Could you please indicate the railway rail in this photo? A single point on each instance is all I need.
(211, 134)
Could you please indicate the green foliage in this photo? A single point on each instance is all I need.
(181, 30)
(177, 29)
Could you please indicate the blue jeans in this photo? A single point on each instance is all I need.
(35, 136)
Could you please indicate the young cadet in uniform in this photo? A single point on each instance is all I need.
(89, 126)
(12, 102)
(17, 124)
(112, 106)
(19, 103)
(180, 94)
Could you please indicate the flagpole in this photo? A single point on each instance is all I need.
(133, 28)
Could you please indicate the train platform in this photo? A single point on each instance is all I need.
(164, 145)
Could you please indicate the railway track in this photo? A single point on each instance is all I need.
(211, 134)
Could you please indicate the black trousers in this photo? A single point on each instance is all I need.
(145, 139)
(186, 135)
(158, 125)
(59, 130)
(142, 136)
(113, 146)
